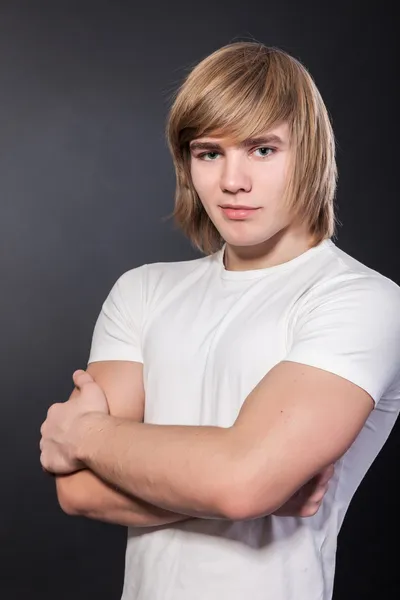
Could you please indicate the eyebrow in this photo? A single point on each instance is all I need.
(264, 140)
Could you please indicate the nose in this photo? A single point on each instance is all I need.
(234, 175)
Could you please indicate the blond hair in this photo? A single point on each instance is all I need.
(241, 90)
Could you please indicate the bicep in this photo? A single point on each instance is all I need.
(298, 420)
(308, 410)
(122, 383)
(115, 360)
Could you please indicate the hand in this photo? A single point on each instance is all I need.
(62, 430)
(307, 500)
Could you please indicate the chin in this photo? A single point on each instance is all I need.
(251, 234)
(241, 241)
(245, 238)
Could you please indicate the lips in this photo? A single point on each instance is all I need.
(238, 207)
(238, 212)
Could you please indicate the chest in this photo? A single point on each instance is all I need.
(205, 352)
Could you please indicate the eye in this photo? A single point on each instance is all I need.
(264, 151)
(208, 155)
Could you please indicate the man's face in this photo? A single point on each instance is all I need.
(253, 175)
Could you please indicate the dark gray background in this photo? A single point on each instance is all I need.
(85, 182)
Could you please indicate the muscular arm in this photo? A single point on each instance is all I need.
(295, 422)
(85, 494)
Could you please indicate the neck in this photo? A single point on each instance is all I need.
(279, 249)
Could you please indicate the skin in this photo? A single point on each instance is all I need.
(259, 463)
(84, 493)
(257, 469)
(254, 175)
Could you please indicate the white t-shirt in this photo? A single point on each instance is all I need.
(206, 337)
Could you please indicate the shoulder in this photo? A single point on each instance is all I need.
(155, 280)
(348, 322)
(345, 281)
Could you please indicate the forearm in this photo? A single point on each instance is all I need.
(181, 469)
(85, 494)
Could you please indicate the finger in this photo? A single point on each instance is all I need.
(313, 491)
(319, 494)
(43, 463)
(54, 408)
(81, 377)
(323, 476)
(311, 506)
(326, 474)
(309, 510)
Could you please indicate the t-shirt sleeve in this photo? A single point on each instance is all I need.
(117, 332)
(352, 329)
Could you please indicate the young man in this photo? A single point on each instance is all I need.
(255, 367)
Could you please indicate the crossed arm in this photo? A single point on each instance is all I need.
(295, 423)
(84, 493)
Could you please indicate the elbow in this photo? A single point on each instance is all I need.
(234, 501)
(243, 498)
(242, 505)
(69, 501)
(69, 507)
(246, 490)
(238, 505)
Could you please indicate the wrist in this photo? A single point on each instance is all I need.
(88, 425)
